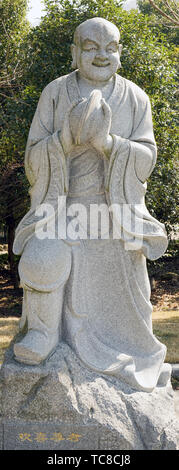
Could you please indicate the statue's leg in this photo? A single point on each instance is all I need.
(43, 317)
(43, 285)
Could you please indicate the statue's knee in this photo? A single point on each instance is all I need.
(45, 264)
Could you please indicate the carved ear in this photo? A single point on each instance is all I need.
(120, 49)
(73, 53)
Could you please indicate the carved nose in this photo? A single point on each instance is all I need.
(101, 56)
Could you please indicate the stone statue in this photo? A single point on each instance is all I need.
(91, 144)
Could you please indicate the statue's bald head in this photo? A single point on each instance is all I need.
(95, 24)
(96, 49)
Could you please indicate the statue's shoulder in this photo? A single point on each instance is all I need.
(136, 93)
(53, 88)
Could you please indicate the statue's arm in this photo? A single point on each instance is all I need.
(144, 143)
(42, 139)
(141, 141)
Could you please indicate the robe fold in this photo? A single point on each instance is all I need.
(107, 310)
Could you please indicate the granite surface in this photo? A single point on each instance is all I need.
(62, 404)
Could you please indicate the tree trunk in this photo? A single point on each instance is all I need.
(13, 265)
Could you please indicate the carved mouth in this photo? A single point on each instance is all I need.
(101, 65)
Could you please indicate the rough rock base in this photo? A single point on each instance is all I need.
(63, 405)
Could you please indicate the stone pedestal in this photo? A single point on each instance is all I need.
(63, 405)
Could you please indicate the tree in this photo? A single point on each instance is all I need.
(168, 9)
(158, 23)
(13, 29)
(148, 59)
(163, 185)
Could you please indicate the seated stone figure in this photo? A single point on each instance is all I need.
(91, 142)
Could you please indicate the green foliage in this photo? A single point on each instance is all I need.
(148, 59)
(157, 21)
(13, 27)
(13, 190)
(163, 187)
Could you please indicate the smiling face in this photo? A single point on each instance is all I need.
(96, 52)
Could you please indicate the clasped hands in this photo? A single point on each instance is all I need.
(98, 136)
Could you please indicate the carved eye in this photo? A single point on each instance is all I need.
(92, 48)
(111, 49)
(89, 47)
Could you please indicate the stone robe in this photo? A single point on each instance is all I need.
(107, 314)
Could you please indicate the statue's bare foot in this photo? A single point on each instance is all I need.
(35, 347)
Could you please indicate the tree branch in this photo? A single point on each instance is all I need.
(14, 98)
(174, 21)
(171, 9)
(175, 3)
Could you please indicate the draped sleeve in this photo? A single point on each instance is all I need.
(45, 163)
(131, 163)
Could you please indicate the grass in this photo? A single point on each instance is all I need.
(167, 332)
(165, 327)
(8, 329)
